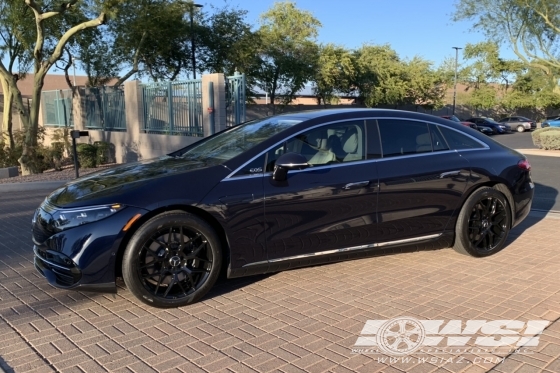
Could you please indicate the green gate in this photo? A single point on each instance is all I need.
(104, 108)
(173, 108)
(57, 108)
(235, 99)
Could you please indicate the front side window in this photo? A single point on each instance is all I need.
(237, 140)
(334, 143)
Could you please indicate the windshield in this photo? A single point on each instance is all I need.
(454, 118)
(239, 139)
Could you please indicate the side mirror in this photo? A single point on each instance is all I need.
(288, 161)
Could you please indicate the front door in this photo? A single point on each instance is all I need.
(328, 206)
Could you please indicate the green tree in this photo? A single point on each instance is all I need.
(530, 27)
(47, 49)
(333, 73)
(425, 86)
(226, 42)
(288, 51)
(15, 38)
(379, 76)
(489, 67)
(484, 97)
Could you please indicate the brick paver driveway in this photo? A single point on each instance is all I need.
(295, 321)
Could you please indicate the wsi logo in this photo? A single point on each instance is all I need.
(405, 335)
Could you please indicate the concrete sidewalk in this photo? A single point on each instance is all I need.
(540, 152)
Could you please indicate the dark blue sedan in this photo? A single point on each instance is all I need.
(490, 123)
(279, 193)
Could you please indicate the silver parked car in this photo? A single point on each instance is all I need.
(520, 124)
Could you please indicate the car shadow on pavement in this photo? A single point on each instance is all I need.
(543, 203)
(5, 367)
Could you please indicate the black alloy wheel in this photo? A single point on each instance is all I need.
(483, 224)
(172, 260)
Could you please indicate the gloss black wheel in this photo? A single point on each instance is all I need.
(172, 260)
(483, 224)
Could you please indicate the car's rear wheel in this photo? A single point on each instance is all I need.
(172, 260)
(520, 128)
(483, 224)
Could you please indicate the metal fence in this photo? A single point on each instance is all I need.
(173, 108)
(235, 99)
(104, 108)
(57, 108)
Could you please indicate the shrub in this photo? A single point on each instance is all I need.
(550, 140)
(56, 153)
(536, 135)
(105, 152)
(87, 155)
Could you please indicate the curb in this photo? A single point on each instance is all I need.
(539, 152)
(30, 186)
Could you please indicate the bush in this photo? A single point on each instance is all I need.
(87, 155)
(105, 152)
(56, 153)
(8, 156)
(550, 140)
(536, 135)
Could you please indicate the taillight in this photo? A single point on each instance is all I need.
(524, 165)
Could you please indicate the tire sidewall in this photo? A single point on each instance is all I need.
(461, 234)
(130, 258)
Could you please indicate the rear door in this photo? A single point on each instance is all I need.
(421, 181)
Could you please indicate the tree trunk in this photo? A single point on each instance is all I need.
(30, 119)
(7, 122)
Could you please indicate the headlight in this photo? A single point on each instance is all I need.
(69, 218)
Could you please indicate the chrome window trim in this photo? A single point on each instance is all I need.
(232, 177)
(353, 248)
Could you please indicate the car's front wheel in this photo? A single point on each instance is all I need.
(520, 129)
(483, 224)
(172, 260)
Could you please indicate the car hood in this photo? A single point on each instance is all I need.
(109, 183)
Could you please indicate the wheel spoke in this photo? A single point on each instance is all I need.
(493, 208)
(149, 265)
(182, 288)
(482, 236)
(161, 277)
(170, 285)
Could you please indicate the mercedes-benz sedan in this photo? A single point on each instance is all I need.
(279, 193)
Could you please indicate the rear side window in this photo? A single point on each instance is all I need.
(458, 141)
(404, 137)
(438, 143)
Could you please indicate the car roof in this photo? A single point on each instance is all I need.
(354, 112)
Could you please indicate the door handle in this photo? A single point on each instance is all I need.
(449, 173)
(359, 184)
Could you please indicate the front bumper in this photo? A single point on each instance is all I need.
(83, 257)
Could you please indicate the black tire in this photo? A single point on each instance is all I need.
(173, 260)
(483, 224)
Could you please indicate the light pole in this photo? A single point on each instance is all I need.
(193, 5)
(455, 85)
